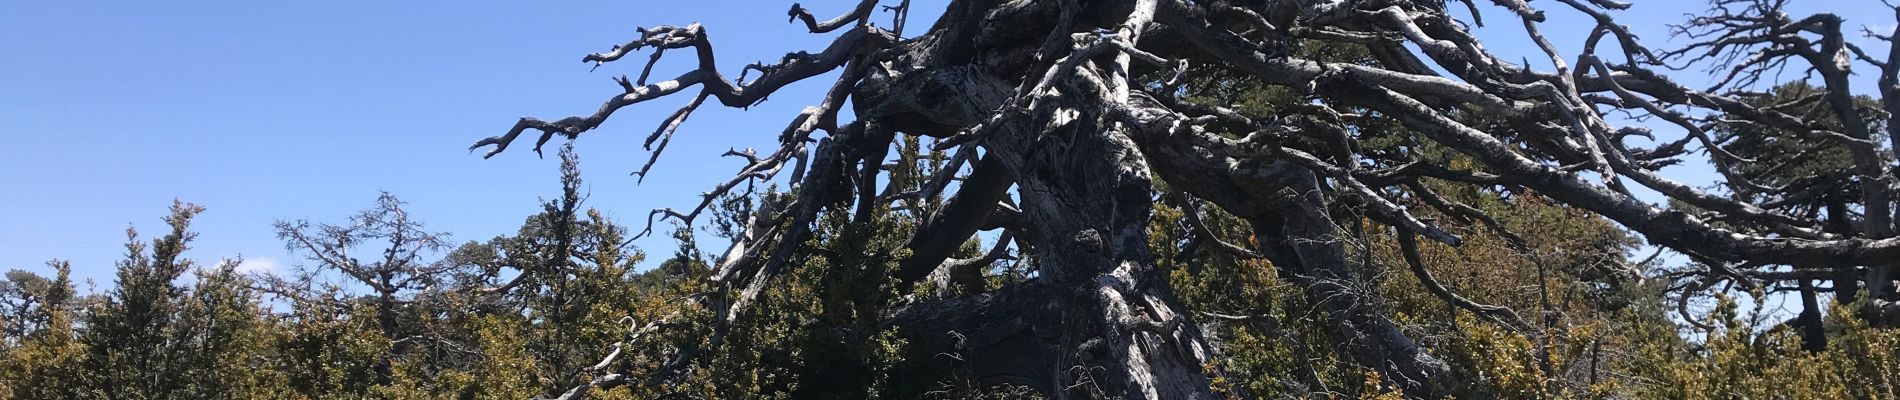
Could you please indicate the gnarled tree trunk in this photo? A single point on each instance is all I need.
(1060, 98)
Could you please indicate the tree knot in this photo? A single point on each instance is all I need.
(1089, 239)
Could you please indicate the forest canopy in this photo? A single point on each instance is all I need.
(1154, 199)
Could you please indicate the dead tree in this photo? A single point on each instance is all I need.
(1061, 99)
(396, 272)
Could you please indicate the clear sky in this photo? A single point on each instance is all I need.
(263, 111)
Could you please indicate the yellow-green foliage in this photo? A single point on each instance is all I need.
(1605, 335)
(1740, 361)
(504, 370)
(1571, 274)
(41, 363)
(225, 343)
(816, 333)
(1599, 328)
(332, 355)
(1275, 342)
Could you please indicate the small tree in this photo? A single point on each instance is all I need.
(152, 338)
(39, 357)
(129, 335)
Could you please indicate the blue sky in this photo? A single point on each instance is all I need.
(279, 110)
(263, 111)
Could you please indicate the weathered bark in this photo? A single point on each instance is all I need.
(961, 217)
(1085, 194)
(1813, 334)
(1086, 198)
